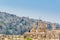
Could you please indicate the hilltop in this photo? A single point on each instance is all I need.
(12, 24)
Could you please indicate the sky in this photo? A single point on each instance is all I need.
(47, 10)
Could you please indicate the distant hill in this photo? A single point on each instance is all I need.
(12, 24)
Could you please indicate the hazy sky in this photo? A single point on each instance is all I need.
(48, 10)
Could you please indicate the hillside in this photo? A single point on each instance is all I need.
(12, 24)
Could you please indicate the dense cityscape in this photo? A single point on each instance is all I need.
(29, 19)
(39, 33)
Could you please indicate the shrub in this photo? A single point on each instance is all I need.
(28, 39)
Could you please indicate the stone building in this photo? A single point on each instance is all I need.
(42, 32)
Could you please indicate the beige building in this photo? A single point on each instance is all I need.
(11, 37)
(42, 33)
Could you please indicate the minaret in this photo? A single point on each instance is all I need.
(54, 29)
(33, 27)
(54, 26)
(45, 26)
(40, 25)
